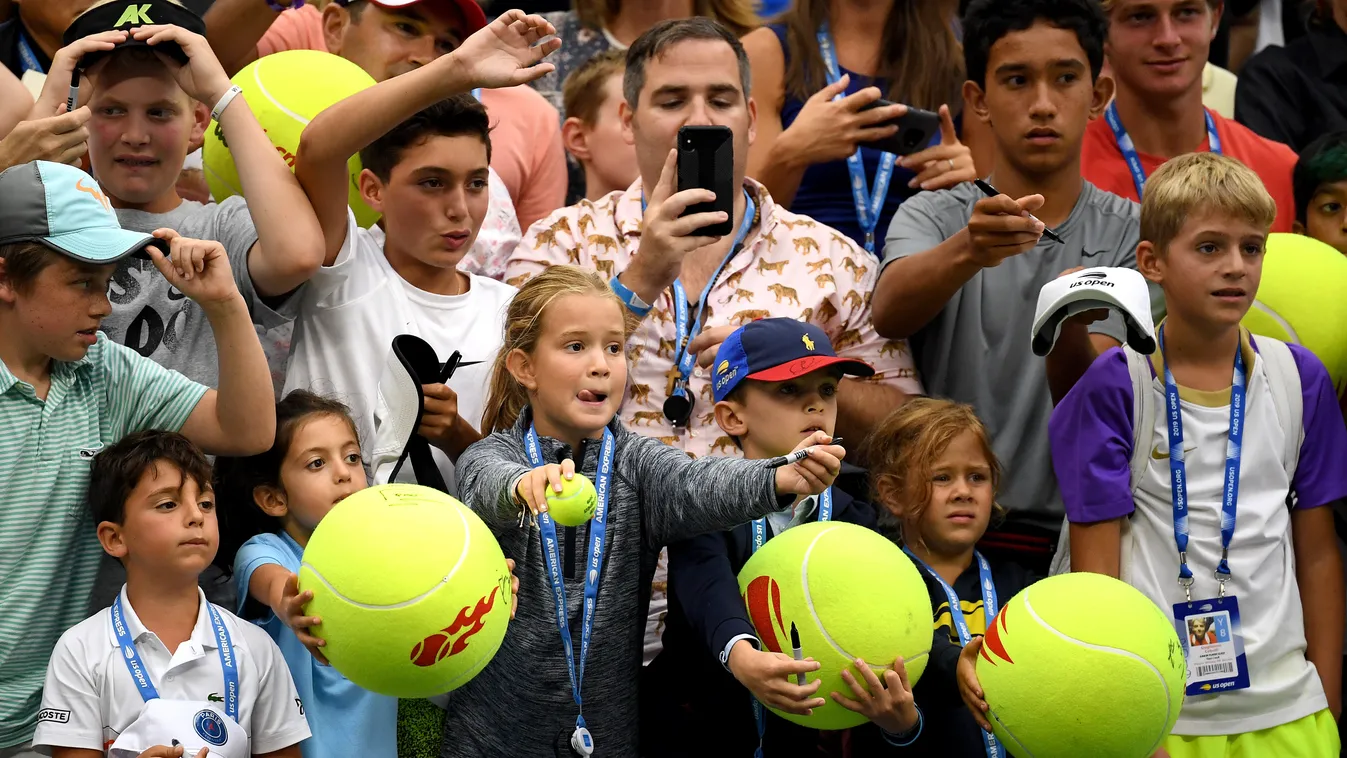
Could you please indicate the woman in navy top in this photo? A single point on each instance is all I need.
(904, 51)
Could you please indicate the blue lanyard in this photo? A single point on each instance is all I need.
(868, 205)
(141, 676)
(989, 609)
(684, 359)
(825, 513)
(598, 529)
(1178, 471)
(1129, 151)
(27, 58)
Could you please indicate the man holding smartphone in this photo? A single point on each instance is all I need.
(692, 290)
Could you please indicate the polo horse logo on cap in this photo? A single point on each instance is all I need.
(94, 191)
(210, 727)
(808, 343)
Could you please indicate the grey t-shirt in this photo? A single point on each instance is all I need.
(976, 350)
(156, 320)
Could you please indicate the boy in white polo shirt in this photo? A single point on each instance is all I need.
(425, 146)
(163, 667)
(1259, 558)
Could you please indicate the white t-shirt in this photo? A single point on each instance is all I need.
(90, 697)
(1092, 447)
(352, 310)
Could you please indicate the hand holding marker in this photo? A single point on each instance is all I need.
(797, 456)
(990, 191)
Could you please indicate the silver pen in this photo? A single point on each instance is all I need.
(797, 456)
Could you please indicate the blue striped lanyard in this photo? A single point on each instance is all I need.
(1178, 471)
(1129, 151)
(683, 358)
(825, 513)
(141, 676)
(868, 204)
(598, 529)
(27, 58)
(960, 623)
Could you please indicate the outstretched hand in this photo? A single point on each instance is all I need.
(507, 52)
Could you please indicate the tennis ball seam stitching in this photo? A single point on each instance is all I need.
(1280, 321)
(462, 555)
(1028, 606)
(257, 78)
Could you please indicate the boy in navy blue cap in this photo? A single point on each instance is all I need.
(775, 382)
(67, 391)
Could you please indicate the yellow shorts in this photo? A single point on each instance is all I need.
(1314, 736)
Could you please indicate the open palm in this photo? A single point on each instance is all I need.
(506, 53)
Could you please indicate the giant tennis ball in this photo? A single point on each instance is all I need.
(411, 587)
(576, 502)
(852, 594)
(285, 91)
(1081, 665)
(1300, 300)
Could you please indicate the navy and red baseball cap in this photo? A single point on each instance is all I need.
(776, 350)
(474, 17)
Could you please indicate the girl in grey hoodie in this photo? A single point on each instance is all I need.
(552, 408)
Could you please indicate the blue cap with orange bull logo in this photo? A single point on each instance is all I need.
(776, 350)
(64, 209)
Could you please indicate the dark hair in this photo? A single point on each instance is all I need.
(666, 34)
(117, 470)
(24, 261)
(987, 21)
(237, 478)
(919, 53)
(1323, 161)
(460, 115)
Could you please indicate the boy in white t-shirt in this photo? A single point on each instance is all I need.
(1278, 589)
(163, 668)
(424, 144)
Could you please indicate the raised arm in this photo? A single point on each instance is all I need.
(505, 53)
(487, 472)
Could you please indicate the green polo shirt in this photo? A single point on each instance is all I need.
(49, 552)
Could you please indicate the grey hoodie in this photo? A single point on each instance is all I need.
(520, 705)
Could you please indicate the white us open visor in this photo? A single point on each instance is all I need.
(1120, 289)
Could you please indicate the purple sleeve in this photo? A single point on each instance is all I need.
(1091, 435)
(1321, 474)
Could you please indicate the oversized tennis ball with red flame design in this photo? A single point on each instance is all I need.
(851, 593)
(412, 589)
(1082, 665)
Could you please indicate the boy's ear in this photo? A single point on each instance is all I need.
(1104, 87)
(1296, 228)
(1148, 262)
(111, 538)
(7, 293)
(521, 368)
(271, 500)
(730, 418)
(200, 123)
(976, 100)
(371, 190)
(574, 138)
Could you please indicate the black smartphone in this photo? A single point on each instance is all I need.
(706, 161)
(916, 128)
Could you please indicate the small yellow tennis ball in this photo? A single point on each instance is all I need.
(576, 502)
(412, 589)
(285, 91)
(1300, 300)
(851, 593)
(1063, 654)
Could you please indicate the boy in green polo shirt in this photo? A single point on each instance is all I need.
(66, 391)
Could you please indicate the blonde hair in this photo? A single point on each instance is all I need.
(1196, 182)
(738, 15)
(903, 450)
(582, 93)
(506, 397)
